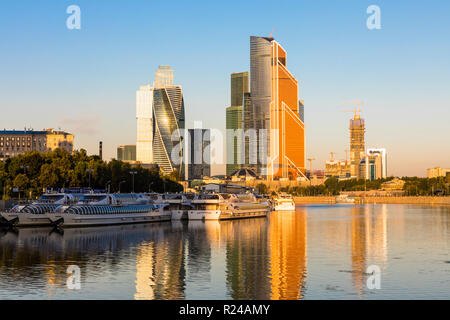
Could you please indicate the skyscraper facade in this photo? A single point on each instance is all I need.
(199, 165)
(239, 87)
(357, 146)
(160, 116)
(274, 113)
(144, 118)
(376, 163)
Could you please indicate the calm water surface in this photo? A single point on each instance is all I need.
(316, 252)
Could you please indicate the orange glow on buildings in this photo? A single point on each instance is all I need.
(273, 107)
(288, 149)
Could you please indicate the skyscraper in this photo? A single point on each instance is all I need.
(199, 165)
(376, 164)
(160, 117)
(274, 112)
(239, 87)
(357, 145)
(144, 118)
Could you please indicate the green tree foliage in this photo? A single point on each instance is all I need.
(262, 188)
(31, 172)
(415, 186)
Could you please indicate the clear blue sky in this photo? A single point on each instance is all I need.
(85, 80)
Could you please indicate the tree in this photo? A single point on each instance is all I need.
(262, 188)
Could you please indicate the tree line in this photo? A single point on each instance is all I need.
(414, 186)
(29, 174)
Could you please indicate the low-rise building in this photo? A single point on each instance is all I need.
(395, 184)
(16, 142)
(337, 169)
(126, 153)
(437, 172)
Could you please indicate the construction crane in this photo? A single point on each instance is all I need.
(332, 155)
(346, 155)
(357, 110)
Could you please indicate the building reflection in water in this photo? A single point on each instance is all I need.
(160, 266)
(368, 242)
(288, 254)
(247, 258)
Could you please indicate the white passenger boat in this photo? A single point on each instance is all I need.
(109, 209)
(343, 198)
(227, 206)
(180, 204)
(283, 202)
(35, 214)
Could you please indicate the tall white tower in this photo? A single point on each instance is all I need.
(144, 117)
(163, 77)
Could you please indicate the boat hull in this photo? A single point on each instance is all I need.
(22, 219)
(180, 214)
(226, 215)
(74, 220)
(285, 207)
(203, 214)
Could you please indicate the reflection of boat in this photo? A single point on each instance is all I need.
(283, 202)
(227, 206)
(108, 209)
(34, 214)
(343, 198)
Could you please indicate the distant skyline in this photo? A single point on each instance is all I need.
(85, 81)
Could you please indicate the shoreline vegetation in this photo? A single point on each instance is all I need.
(26, 176)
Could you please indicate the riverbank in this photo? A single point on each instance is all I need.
(389, 200)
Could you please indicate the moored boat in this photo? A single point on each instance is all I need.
(35, 214)
(180, 205)
(109, 209)
(283, 202)
(227, 206)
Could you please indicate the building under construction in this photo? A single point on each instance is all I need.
(357, 144)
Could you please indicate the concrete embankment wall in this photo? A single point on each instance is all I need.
(409, 200)
(398, 200)
(318, 199)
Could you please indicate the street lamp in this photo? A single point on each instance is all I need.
(108, 186)
(121, 183)
(133, 173)
(90, 171)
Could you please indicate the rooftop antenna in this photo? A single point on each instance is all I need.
(271, 34)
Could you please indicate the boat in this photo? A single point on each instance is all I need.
(226, 206)
(180, 204)
(343, 198)
(110, 209)
(34, 214)
(283, 202)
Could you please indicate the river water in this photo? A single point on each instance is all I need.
(316, 252)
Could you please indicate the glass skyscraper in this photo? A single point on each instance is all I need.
(166, 105)
(239, 87)
(273, 109)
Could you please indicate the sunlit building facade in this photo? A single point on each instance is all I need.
(160, 119)
(239, 87)
(275, 113)
(357, 147)
(16, 142)
(144, 117)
